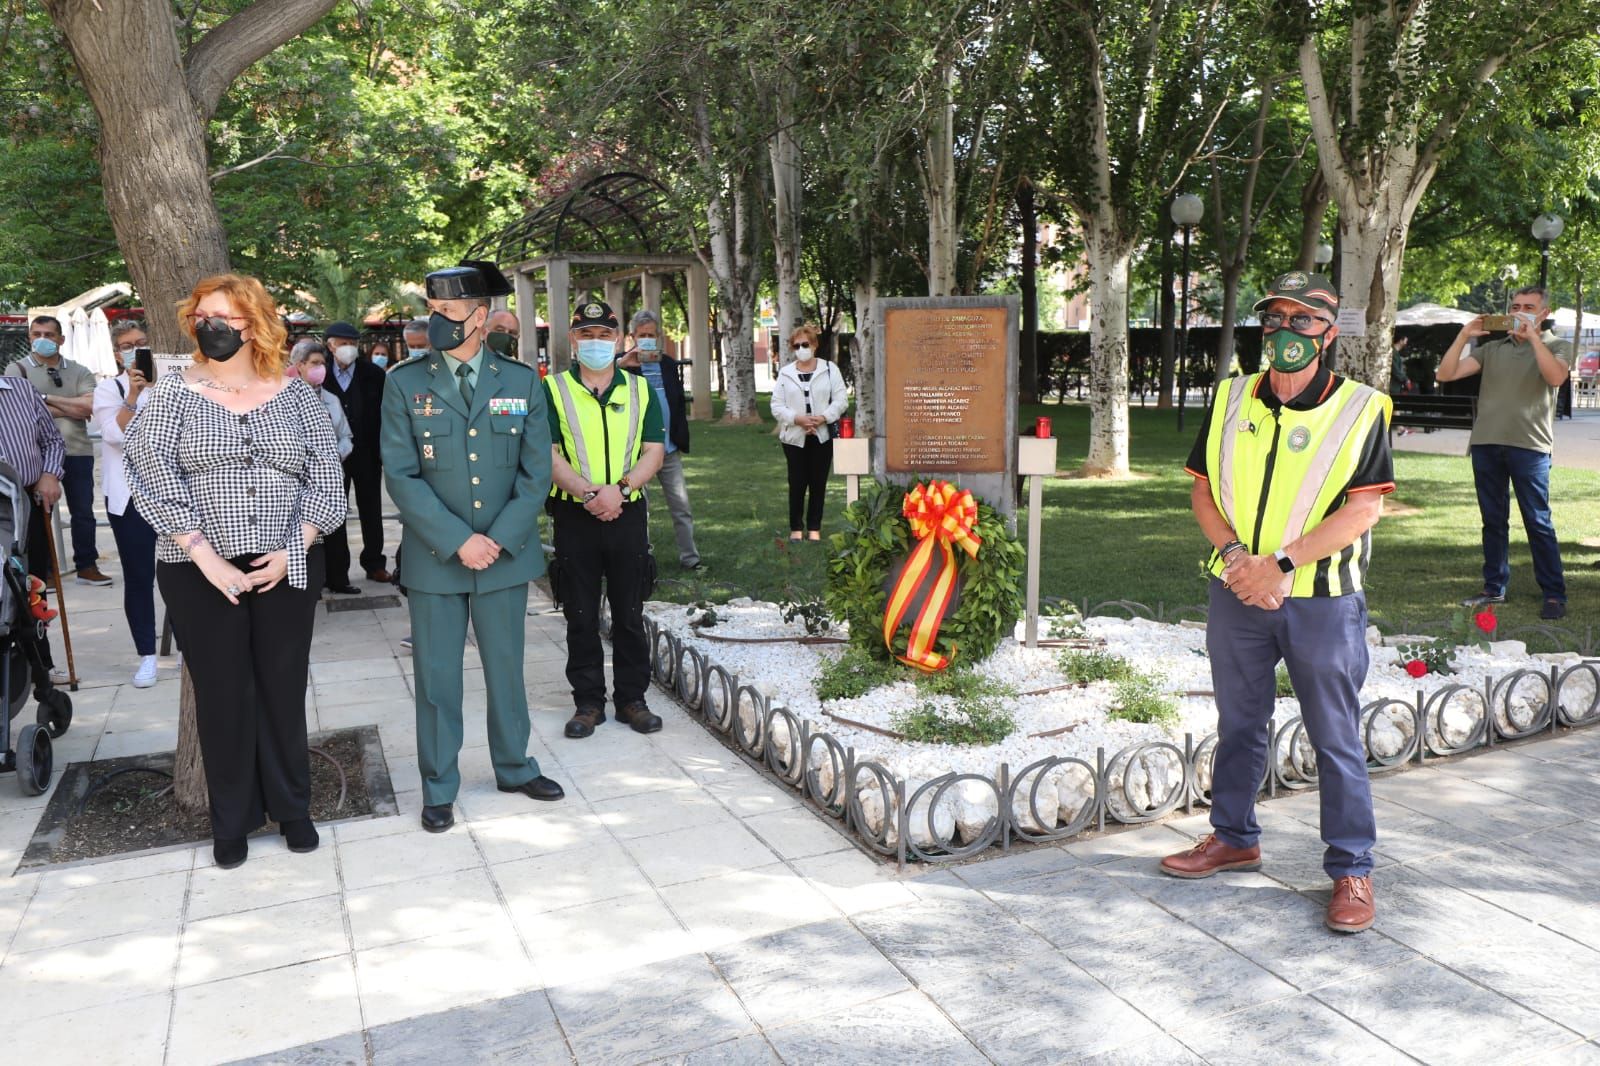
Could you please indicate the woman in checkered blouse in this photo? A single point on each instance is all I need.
(235, 466)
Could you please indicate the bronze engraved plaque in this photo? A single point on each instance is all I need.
(945, 389)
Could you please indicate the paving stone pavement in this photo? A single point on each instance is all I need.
(679, 907)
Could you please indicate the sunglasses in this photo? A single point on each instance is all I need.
(55, 376)
(1298, 323)
(218, 323)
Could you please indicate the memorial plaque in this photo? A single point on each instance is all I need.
(946, 387)
(947, 392)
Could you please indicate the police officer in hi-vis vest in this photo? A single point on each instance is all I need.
(608, 442)
(466, 456)
(1290, 473)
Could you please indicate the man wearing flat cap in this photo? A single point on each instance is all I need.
(1290, 471)
(607, 434)
(466, 451)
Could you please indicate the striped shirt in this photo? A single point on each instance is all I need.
(29, 439)
(247, 481)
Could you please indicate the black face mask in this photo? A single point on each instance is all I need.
(502, 343)
(218, 345)
(445, 333)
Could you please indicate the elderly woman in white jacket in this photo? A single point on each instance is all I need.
(807, 401)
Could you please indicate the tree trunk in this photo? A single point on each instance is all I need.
(1028, 352)
(1370, 258)
(731, 237)
(1108, 257)
(1168, 312)
(1231, 276)
(784, 153)
(939, 186)
(1313, 212)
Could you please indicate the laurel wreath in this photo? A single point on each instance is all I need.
(877, 537)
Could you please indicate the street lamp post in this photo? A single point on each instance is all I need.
(1187, 210)
(1546, 228)
(1322, 256)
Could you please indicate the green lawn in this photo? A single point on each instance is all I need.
(1130, 539)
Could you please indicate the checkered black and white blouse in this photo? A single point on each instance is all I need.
(247, 481)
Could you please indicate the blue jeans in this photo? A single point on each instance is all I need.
(77, 485)
(136, 543)
(1529, 474)
(1322, 640)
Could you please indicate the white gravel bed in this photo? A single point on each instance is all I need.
(786, 673)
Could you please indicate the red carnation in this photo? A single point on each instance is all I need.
(1486, 621)
(1416, 668)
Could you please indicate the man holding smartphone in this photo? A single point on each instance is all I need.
(68, 391)
(1512, 438)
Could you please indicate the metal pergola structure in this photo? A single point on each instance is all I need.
(615, 228)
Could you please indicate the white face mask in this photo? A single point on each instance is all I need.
(803, 353)
(345, 354)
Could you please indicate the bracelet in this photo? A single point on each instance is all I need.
(193, 541)
(591, 494)
(130, 407)
(1229, 548)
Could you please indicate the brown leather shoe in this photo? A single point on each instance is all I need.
(380, 575)
(637, 715)
(583, 721)
(1210, 856)
(1352, 909)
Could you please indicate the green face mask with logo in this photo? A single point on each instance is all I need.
(1287, 351)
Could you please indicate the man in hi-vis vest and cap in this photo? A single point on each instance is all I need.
(1290, 471)
(607, 434)
(466, 454)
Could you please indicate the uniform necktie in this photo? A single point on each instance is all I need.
(464, 372)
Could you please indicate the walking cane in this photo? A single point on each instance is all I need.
(61, 600)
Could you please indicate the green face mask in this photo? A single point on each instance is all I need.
(1288, 351)
(502, 343)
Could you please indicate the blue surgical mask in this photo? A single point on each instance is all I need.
(45, 347)
(649, 344)
(380, 360)
(596, 354)
(416, 353)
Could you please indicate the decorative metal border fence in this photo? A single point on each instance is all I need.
(1141, 783)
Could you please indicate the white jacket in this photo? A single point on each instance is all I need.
(828, 397)
(342, 436)
(109, 396)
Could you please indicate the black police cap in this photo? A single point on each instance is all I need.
(472, 279)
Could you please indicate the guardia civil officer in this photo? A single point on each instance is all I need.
(607, 435)
(466, 456)
(1290, 473)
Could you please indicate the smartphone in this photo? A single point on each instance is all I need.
(144, 361)
(1499, 323)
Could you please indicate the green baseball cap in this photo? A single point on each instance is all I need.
(1313, 291)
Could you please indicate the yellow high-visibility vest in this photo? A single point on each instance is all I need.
(1276, 474)
(601, 440)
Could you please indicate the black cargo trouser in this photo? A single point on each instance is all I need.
(587, 551)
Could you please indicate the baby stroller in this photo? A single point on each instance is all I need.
(24, 617)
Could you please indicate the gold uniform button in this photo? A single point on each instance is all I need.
(477, 503)
(474, 481)
(473, 457)
(472, 432)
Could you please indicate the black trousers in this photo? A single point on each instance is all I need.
(249, 666)
(809, 467)
(38, 552)
(588, 550)
(365, 472)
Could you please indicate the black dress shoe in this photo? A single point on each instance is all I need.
(540, 788)
(1553, 610)
(345, 589)
(637, 715)
(583, 721)
(300, 834)
(439, 817)
(229, 853)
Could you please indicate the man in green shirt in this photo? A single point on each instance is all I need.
(68, 391)
(1512, 439)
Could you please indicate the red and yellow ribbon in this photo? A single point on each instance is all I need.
(939, 514)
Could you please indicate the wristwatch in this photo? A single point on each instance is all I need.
(1285, 563)
(627, 489)
(591, 494)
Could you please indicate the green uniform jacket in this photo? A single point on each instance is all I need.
(454, 472)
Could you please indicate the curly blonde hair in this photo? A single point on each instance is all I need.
(268, 337)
